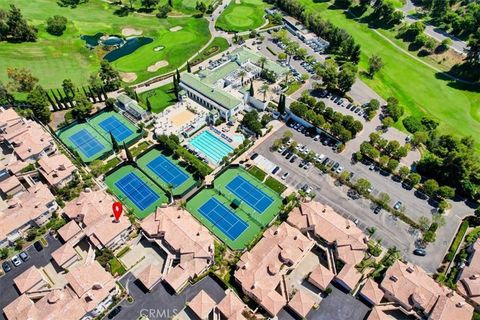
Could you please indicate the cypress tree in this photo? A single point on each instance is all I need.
(60, 95)
(59, 104)
(99, 94)
(178, 76)
(189, 69)
(84, 92)
(127, 152)
(251, 91)
(54, 105)
(149, 105)
(115, 146)
(281, 104)
(92, 95)
(104, 93)
(136, 95)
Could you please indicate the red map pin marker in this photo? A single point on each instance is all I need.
(117, 210)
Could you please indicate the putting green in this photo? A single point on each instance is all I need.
(53, 59)
(419, 88)
(243, 16)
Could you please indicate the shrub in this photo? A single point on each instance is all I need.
(56, 25)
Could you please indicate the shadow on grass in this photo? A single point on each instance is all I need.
(459, 85)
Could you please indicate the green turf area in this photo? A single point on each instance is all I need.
(217, 45)
(111, 179)
(242, 15)
(65, 133)
(53, 59)
(243, 239)
(257, 173)
(160, 98)
(421, 90)
(152, 154)
(266, 217)
(188, 6)
(275, 185)
(95, 123)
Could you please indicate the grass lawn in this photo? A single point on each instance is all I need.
(243, 16)
(257, 173)
(218, 45)
(53, 59)
(139, 148)
(160, 98)
(275, 185)
(188, 6)
(116, 267)
(420, 89)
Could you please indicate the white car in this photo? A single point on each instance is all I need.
(339, 169)
(16, 261)
(285, 175)
(321, 157)
(281, 149)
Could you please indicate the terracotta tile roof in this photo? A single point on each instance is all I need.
(350, 241)
(18, 308)
(301, 303)
(260, 270)
(349, 276)
(9, 184)
(378, 314)
(202, 304)
(56, 168)
(411, 286)
(28, 279)
(321, 277)
(8, 117)
(469, 284)
(150, 275)
(231, 305)
(191, 242)
(70, 230)
(25, 207)
(371, 290)
(64, 254)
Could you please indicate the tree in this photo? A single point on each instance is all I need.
(439, 9)
(251, 91)
(403, 172)
(149, 3)
(346, 77)
(287, 135)
(201, 7)
(387, 122)
(18, 28)
(163, 11)
(115, 146)
(261, 61)
(446, 192)
(430, 187)
(189, 69)
(362, 186)
(414, 178)
(56, 25)
(242, 75)
(110, 77)
(21, 80)
(149, 105)
(329, 74)
(68, 88)
(251, 122)
(281, 104)
(5, 96)
(291, 49)
(264, 89)
(473, 50)
(82, 108)
(38, 102)
(392, 165)
(375, 63)
(128, 153)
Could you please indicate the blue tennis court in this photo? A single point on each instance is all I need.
(223, 218)
(246, 191)
(137, 191)
(87, 143)
(118, 129)
(168, 171)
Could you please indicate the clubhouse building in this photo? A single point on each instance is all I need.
(223, 86)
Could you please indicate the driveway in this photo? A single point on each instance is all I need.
(391, 230)
(39, 259)
(160, 303)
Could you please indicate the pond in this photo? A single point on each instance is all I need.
(122, 47)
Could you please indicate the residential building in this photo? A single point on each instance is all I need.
(88, 292)
(202, 305)
(57, 170)
(26, 138)
(469, 280)
(411, 288)
(31, 208)
(188, 244)
(231, 307)
(92, 211)
(11, 186)
(348, 242)
(31, 282)
(260, 271)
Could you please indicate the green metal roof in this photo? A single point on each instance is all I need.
(219, 96)
(212, 76)
(244, 55)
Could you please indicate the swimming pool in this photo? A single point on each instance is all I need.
(211, 146)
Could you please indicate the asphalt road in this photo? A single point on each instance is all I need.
(391, 230)
(39, 259)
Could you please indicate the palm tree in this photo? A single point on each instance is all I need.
(291, 49)
(287, 73)
(242, 74)
(264, 89)
(262, 60)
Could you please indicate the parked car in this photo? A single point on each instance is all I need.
(16, 261)
(276, 169)
(397, 205)
(281, 149)
(251, 158)
(284, 152)
(292, 160)
(285, 175)
(377, 209)
(325, 161)
(339, 170)
(38, 246)
(316, 137)
(24, 256)
(114, 312)
(335, 166)
(289, 155)
(6, 266)
(420, 252)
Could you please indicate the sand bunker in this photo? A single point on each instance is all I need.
(182, 118)
(127, 32)
(175, 29)
(158, 65)
(128, 76)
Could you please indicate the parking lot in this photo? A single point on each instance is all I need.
(39, 259)
(391, 230)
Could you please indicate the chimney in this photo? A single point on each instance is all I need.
(393, 278)
(460, 304)
(475, 276)
(410, 269)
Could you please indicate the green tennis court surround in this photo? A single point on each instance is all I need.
(135, 190)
